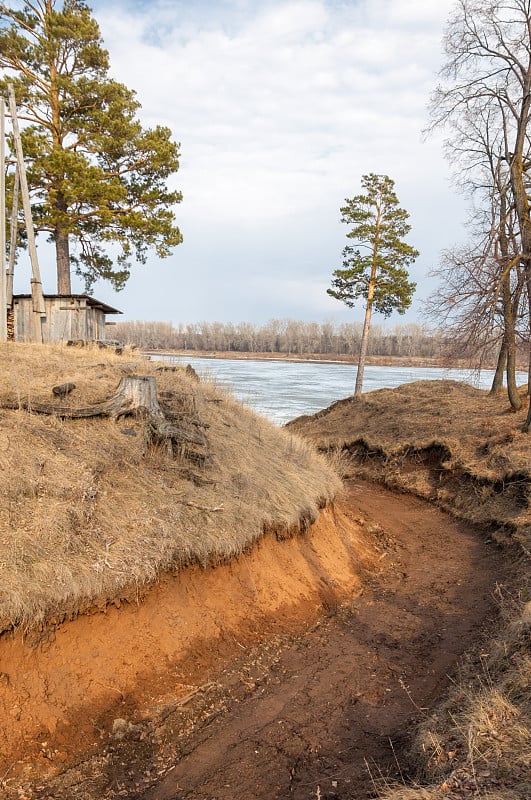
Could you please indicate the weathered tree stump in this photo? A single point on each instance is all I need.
(136, 395)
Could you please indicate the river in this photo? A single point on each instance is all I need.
(283, 390)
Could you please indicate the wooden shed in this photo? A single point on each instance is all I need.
(64, 318)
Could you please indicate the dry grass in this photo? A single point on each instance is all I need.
(478, 743)
(464, 450)
(442, 440)
(89, 514)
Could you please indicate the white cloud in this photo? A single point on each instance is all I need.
(280, 107)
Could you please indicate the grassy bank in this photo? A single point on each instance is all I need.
(445, 441)
(91, 511)
(464, 451)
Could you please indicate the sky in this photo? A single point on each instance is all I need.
(280, 107)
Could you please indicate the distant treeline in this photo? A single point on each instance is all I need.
(283, 336)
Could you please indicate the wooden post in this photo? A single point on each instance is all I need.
(13, 229)
(36, 285)
(3, 306)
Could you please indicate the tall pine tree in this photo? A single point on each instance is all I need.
(98, 178)
(375, 269)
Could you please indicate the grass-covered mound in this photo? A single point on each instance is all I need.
(91, 511)
(443, 440)
(464, 450)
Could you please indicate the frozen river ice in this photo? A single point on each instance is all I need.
(282, 390)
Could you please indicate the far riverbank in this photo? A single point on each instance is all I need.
(322, 358)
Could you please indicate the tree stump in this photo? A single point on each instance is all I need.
(135, 394)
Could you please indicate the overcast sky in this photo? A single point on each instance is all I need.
(280, 107)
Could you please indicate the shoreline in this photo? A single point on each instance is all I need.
(319, 358)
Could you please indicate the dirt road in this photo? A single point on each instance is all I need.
(327, 712)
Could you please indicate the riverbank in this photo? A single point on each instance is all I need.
(326, 358)
(101, 496)
(285, 389)
(448, 442)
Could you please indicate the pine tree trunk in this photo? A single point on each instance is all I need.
(363, 346)
(367, 321)
(62, 252)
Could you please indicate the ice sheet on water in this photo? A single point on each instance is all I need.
(283, 390)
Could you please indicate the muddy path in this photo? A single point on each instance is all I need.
(328, 711)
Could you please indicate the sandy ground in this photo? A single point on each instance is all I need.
(297, 671)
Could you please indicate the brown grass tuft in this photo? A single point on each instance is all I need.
(478, 742)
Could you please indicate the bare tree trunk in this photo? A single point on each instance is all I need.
(527, 424)
(497, 381)
(512, 388)
(509, 330)
(510, 341)
(524, 219)
(527, 265)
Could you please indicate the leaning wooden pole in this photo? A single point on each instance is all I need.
(36, 284)
(3, 296)
(13, 231)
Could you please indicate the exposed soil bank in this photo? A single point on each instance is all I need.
(296, 714)
(445, 441)
(64, 686)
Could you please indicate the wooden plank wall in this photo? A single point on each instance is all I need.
(66, 318)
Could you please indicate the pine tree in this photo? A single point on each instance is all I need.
(98, 178)
(375, 269)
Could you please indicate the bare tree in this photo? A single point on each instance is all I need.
(488, 67)
(281, 336)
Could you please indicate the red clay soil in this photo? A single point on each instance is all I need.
(230, 683)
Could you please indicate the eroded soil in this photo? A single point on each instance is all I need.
(316, 709)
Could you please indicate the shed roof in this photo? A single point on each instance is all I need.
(91, 301)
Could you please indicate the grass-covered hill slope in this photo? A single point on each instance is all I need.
(443, 440)
(92, 510)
